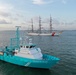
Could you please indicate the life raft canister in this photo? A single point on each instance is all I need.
(53, 33)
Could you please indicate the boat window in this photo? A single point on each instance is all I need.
(32, 46)
(21, 46)
(27, 46)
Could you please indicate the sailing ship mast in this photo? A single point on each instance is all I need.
(50, 24)
(32, 25)
(39, 24)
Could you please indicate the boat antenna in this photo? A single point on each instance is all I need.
(50, 24)
(30, 41)
(39, 24)
(18, 36)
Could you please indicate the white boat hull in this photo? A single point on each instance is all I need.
(44, 34)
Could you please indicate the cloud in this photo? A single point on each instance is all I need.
(36, 19)
(15, 19)
(40, 2)
(64, 1)
(46, 20)
(6, 7)
(5, 14)
(19, 15)
(4, 22)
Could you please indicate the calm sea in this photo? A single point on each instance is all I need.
(63, 47)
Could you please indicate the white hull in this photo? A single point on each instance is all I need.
(44, 34)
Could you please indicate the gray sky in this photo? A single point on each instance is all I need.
(19, 13)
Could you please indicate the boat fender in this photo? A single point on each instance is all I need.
(53, 33)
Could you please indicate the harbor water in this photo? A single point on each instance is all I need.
(62, 46)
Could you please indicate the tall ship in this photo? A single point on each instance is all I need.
(26, 54)
(40, 31)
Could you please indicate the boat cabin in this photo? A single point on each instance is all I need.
(29, 51)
